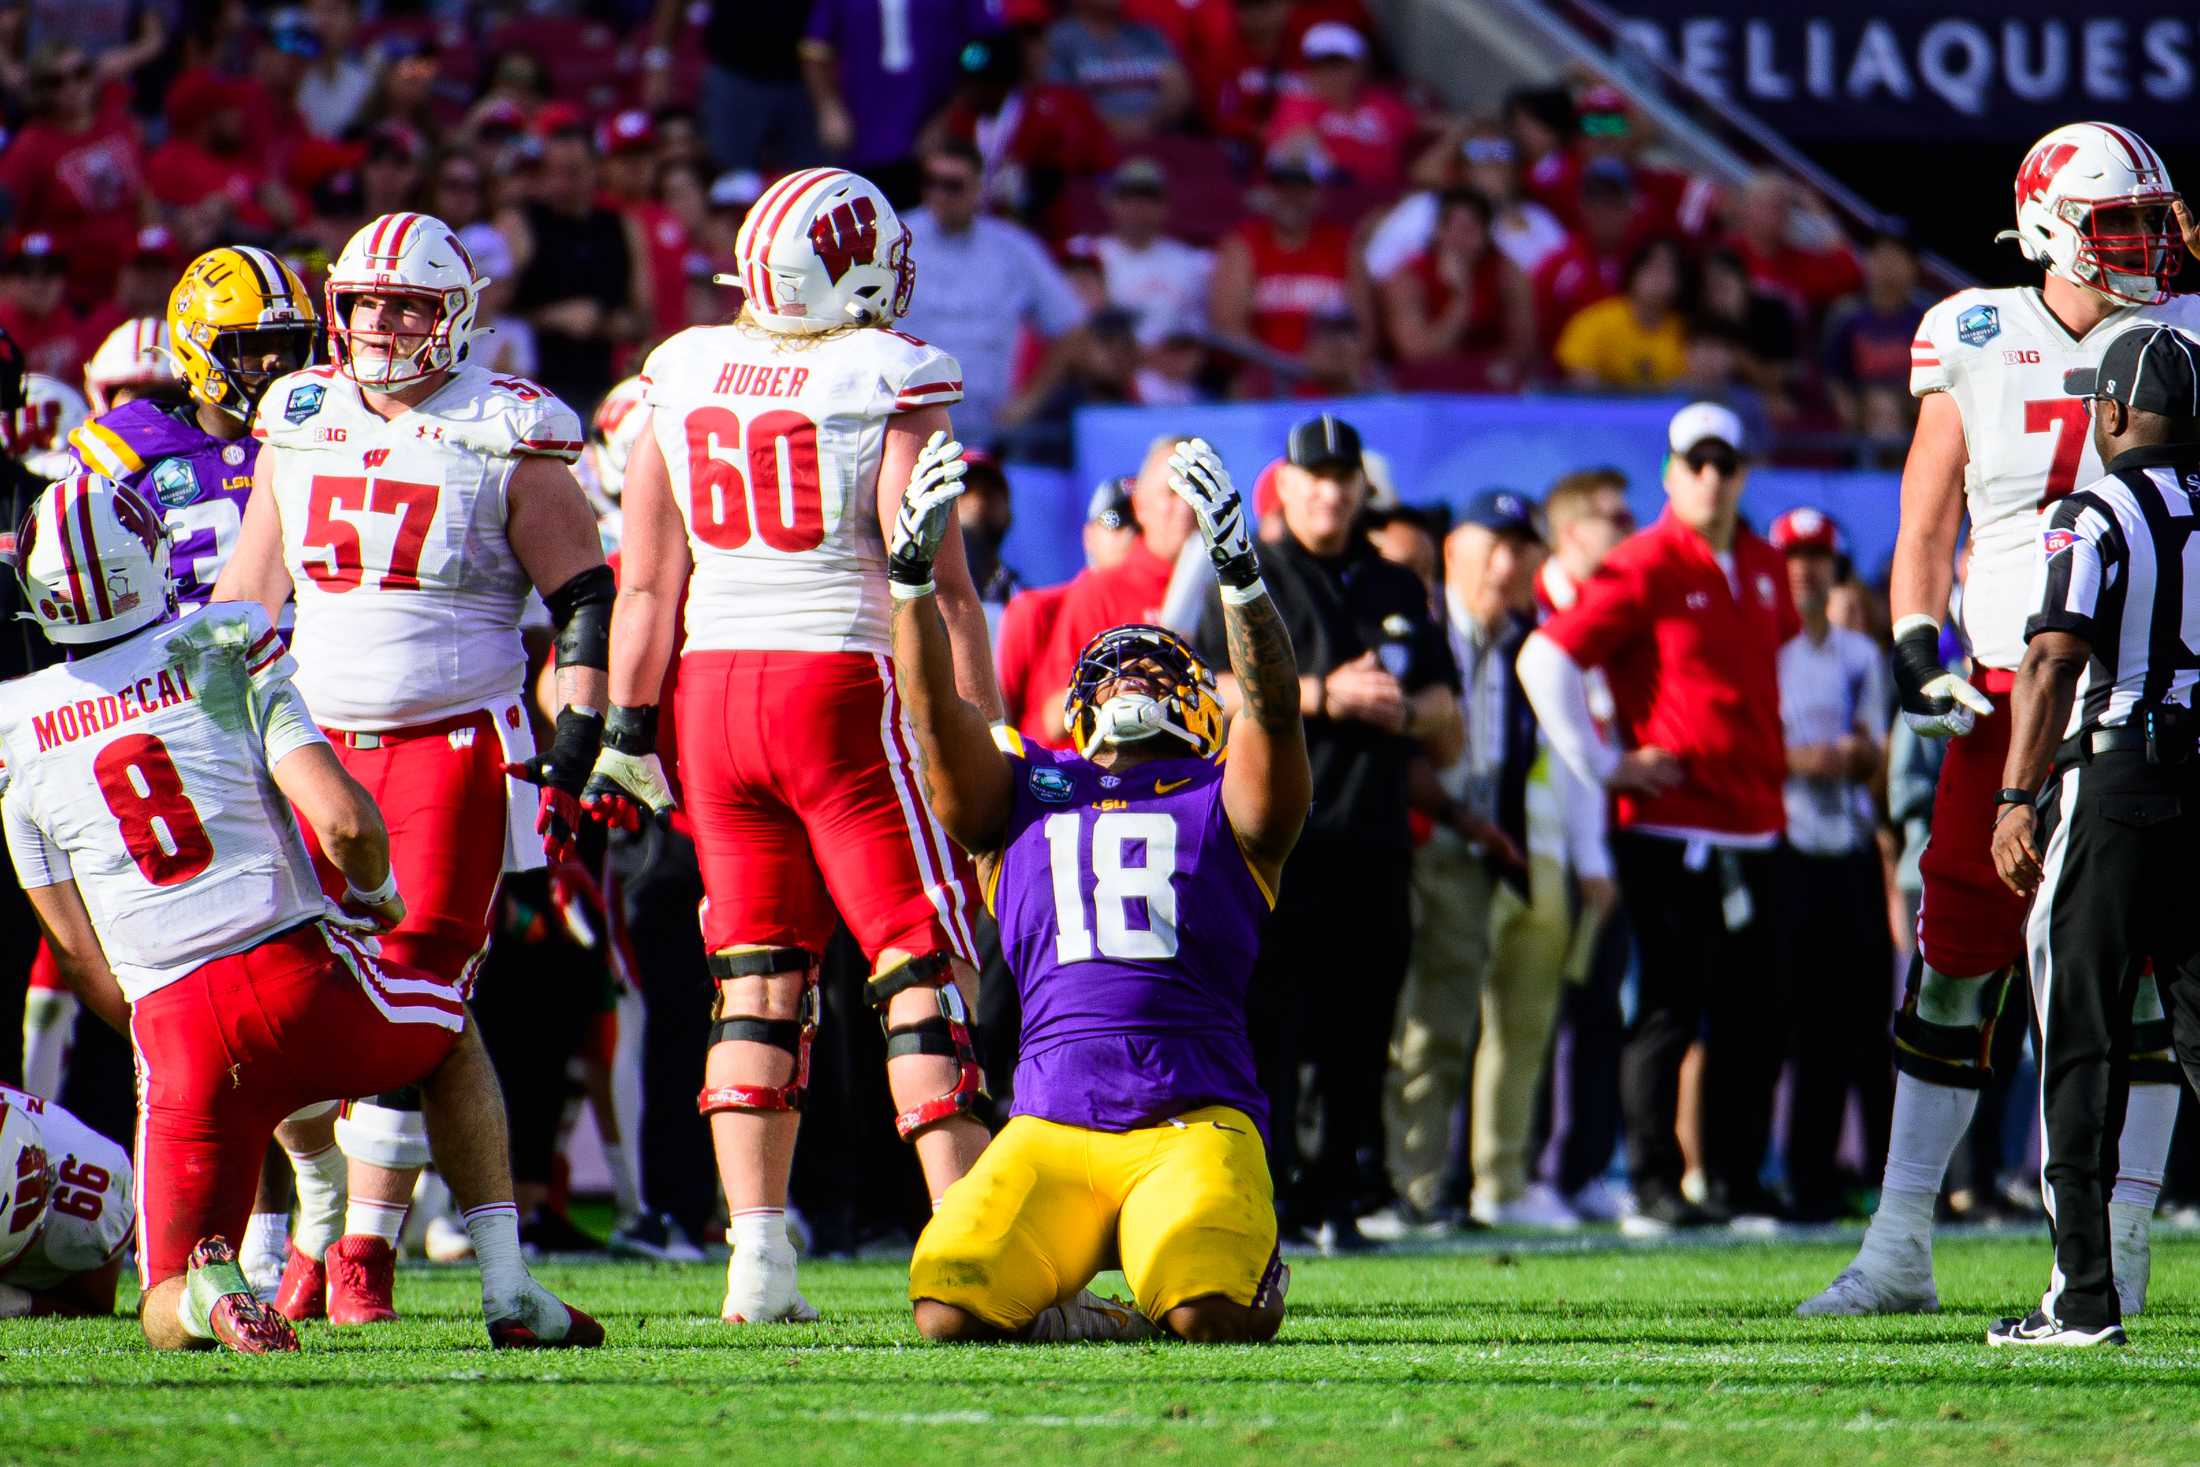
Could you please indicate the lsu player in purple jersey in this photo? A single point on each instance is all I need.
(238, 319)
(1130, 880)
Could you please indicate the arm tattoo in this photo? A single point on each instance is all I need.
(1263, 663)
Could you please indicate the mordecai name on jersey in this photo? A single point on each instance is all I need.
(773, 445)
(2003, 354)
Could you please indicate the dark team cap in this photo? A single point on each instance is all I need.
(2153, 368)
(1327, 439)
(1110, 505)
(1503, 511)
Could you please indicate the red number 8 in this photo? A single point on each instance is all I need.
(142, 759)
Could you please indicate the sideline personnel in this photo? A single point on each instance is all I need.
(2104, 720)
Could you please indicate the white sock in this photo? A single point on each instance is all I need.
(504, 1278)
(1929, 1122)
(761, 1228)
(623, 1191)
(320, 1176)
(365, 1216)
(2142, 1153)
(264, 1233)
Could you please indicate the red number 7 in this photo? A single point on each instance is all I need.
(2069, 419)
(413, 504)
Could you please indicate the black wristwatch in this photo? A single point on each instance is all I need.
(2012, 796)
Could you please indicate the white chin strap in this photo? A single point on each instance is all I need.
(1128, 717)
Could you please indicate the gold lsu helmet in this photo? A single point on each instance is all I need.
(238, 319)
(1180, 699)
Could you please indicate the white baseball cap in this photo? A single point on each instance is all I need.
(1333, 38)
(1700, 422)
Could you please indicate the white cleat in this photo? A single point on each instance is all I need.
(1598, 1202)
(760, 1289)
(2131, 1253)
(1539, 1209)
(1859, 1291)
(2037, 1328)
(1090, 1317)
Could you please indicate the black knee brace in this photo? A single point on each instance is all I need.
(946, 1035)
(792, 1035)
(1956, 1055)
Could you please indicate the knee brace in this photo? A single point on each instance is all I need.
(387, 1131)
(946, 1035)
(2152, 1063)
(1944, 1034)
(792, 1035)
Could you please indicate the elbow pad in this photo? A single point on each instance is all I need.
(580, 611)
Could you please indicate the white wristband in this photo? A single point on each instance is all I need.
(1240, 595)
(903, 592)
(376, 897)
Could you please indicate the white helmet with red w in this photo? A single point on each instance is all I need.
(37, 434)
(612, 434)
(135, 356)
(26, 1181)
(412, 255)
(822, 248)
(2093, 206)
(93, 561)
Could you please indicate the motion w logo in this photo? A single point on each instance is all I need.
(846, 236)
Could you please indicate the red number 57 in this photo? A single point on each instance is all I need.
(413, 504)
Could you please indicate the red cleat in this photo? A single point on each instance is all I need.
(362, 1271)
(542, 1321)
(235, 1314)
(304, 1293)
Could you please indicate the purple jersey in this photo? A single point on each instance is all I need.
(1130, 918)
(199, 482)
(898, 64)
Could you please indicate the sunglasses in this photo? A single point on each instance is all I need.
(1708, 456)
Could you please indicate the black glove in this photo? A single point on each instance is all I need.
(562, 772)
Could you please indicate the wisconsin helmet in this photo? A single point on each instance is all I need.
(37, 433)
(407, 255)
(2093, 206)
(238, 319)
(92, 560)
(822, 248)
(135, 357)
(26, 1181)
(1180, 701)
(612, 434)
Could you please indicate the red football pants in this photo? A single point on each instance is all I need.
(228, 1050)
(802, 785)
(1970, 924)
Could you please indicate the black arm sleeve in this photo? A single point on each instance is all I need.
(580, 612)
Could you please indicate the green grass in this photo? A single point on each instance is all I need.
(1682, 1357)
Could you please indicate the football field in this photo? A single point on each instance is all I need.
(1674, 1355)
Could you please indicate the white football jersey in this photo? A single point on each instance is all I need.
(2003, 355)
(408, 592)
(142, 773)
(773, 444)
(90, 1215)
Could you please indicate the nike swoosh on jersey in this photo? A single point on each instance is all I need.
(1165, 786)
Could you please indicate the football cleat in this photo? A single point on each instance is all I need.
(760, 1289)
(304, 1290)
(2130, 1225)
(234, 1313)
(2038, 1328)
(362, 1272)
(1857, 1291)
(1090, 1317)
(543, 1321)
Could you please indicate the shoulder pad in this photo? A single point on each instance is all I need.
(913, 371)
(510, 417)
(290, 406)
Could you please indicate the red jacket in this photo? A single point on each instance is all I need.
(1693, 671)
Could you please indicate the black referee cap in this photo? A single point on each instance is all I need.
(1327, 439)
(2153, 368)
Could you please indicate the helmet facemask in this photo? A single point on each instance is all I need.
(238, 352)
(1136, 683)
(2127, 248)
(394, 359)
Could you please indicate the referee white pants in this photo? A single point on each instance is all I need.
(2117, 841)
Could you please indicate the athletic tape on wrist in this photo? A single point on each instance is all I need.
(1240, 595)
(906, 592)
(376, 897)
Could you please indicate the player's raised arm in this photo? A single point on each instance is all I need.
(968, 781)
(256, 571)
(1267, 783)
(907, 437)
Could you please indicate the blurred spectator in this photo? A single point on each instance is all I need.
(628, 145)
(1026, 632)
(1461, 298)
(1675, 201)
(580, 279)
(1718, 371)
(1033, 136)
(123, 36)
(1592, 264)
(1284, 267)
(146, 280)
(878, 69)
(1403, 535)
(340, 75)
(1762, 328)
(457, 196)
(1162, 281)
(1336, 362)
(74, 172)
(1868, 336)
(755, 111)
(1837, 951)
(1134, 80)
(986, 513)
(211, 172)
(35, 311)
(981, 283)
(1482, 158)
(1361, 129)
(405, 91)
(1636, 340)
(684, 194)
(1241, 52)
(1092, 367)
(1791, 245)
(1543, 127)
(1171, 375)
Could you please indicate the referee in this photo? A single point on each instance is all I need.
(2100, 810)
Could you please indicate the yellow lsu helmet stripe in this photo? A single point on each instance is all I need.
(104, 449)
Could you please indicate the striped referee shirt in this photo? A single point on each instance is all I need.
(2115, 573)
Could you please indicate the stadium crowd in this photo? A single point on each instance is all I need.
(1164, 202)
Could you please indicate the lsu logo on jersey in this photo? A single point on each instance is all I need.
(175, 482)
(304, 402)
(1978, 325)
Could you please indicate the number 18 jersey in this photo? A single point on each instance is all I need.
(2003, 354)
(773, 445)
(143, 774)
